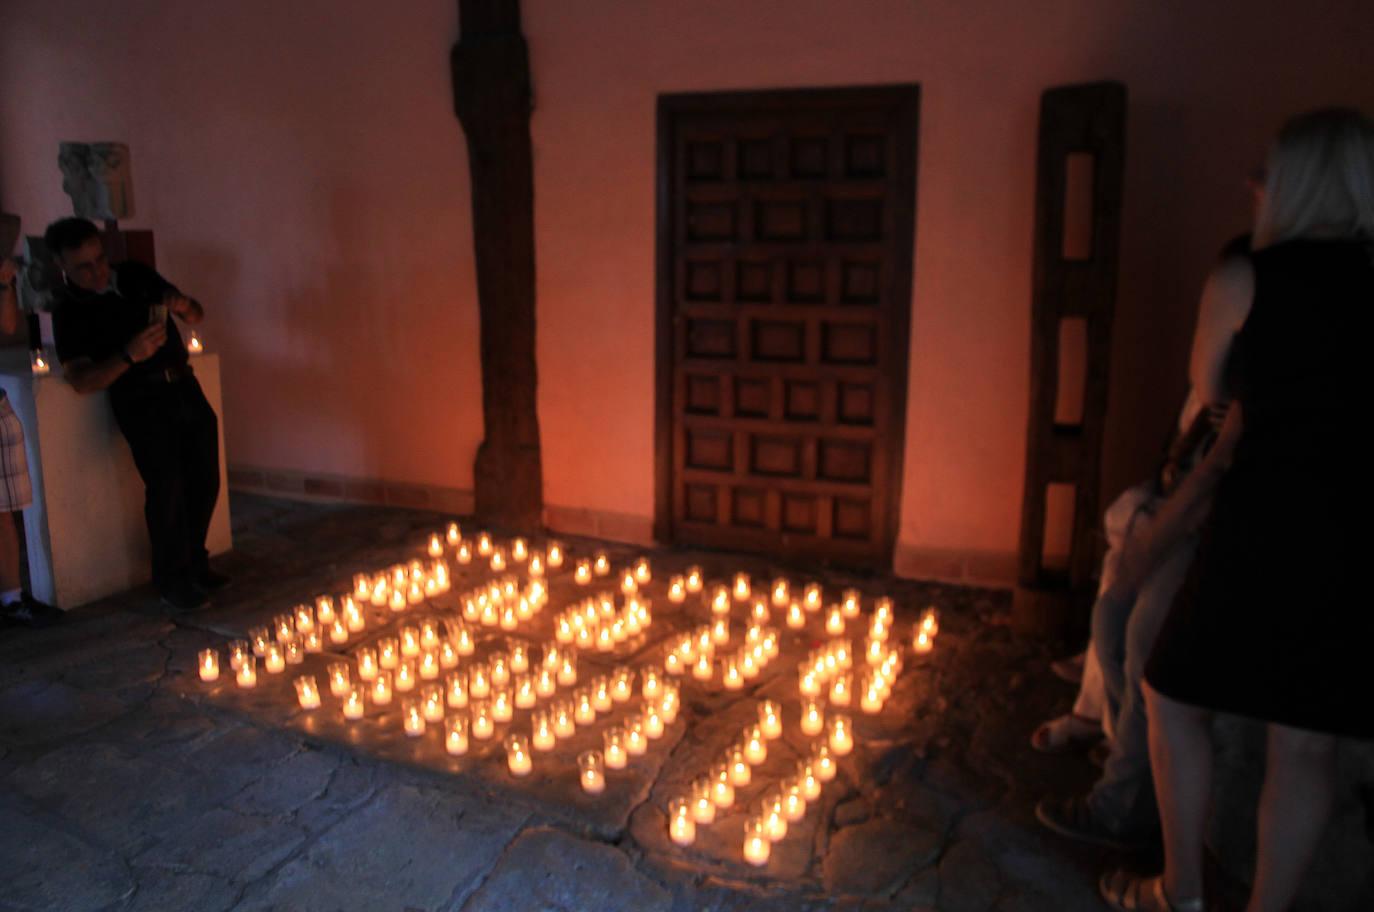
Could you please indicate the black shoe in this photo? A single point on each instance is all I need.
(30, 612)
(182, 597)
(208, 581)
(1072, 817)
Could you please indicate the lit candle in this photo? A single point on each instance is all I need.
(542, 733)
(567, 672)
(498, 560)
(741, 773)
(653, 723)
(742, 588)
(770, 719)
(304, 620)
(593, 775)
(720, 600)
(274, 660)
(650, 684)
(601, 694)
(555, 554)
(812, 719)
(436, 545)
(238, 649)
(793, 802)
(621, 685)
(482, 725)
(731, 676)
(583, 711)
(811, 597)
(339, 682)
(324, 610)
(682, 827)
(796, 618)
(704, 668)
(601, 565)
(642, 572)
(669, 704)
(749, 663)
(362, 586)
(774, 820)
(456, 689)
(564, 725)
(479, 685)
(695, 582)
(519, 658)
(381, 594)
(518, 758)
(703, 807)
(922, 643)
(760, 613)
(757, 846)
(635, 742)
(808, 681)
(834, 621)
(628, 584)
(413, 718)
(381, 688)
(823, 764)
(519, 550)
(871, 699)
(613, 748)
(502, 706)
(338, 632)
(453, 534)
(448, 655)
(353, 615)
(247, 674)
(720, 631)
(464, 553)
(840, 736)
(851, 603)
(755, 749)
(398, 600)
(840, 690)
(294, 651)
(432, 697)
(456, 735)
(677, 590)
(544, 684)
(463, 642)
(605, 639)
(582, 574)
(781, 592)
(525, 697)
(406, 676)
(208, 662)
(722, 789)
(355, 704)
(484, 544)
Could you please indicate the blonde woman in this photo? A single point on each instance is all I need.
(1275, 623)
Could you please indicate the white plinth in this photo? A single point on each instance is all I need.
(85, 531)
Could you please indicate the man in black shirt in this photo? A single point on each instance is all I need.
(113, 331)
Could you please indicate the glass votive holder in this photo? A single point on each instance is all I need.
(636, 744)
(274, 660)
(247, 674)
(682, 825)
(388, 652)
(207, 664)
(355, 703)
(482, 726)
(382, 689)
(524, 695)
(840, 734)
(741, 773)
(237, 650)
(502, 706)
(413, 718)
(703, 808)
(770, 719)
(518, 758)
(613, 748)
(432, 696)
(294, 651)
(406, 676)
(456, 689)
(592, 772)
(307, 692)
(722, 786)
(313, 642)
(757, 844)
(812, 717)
(339, 680)
(564, 725)
(823, 763)
(541, 730)
(622, 684)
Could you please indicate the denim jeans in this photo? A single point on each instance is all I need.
(1123, 634)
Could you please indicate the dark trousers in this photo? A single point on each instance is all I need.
(174, 436)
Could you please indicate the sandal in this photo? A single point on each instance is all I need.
(1074, 818)
(1064, 732)
(1133, 893)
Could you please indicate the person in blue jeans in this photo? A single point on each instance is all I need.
(1120, 810)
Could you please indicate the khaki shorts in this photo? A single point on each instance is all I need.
(16, 492)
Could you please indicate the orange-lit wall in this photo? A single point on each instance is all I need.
(302, 167)
(305, 176)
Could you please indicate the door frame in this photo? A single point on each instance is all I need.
(904, 102)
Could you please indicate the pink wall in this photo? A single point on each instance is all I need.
(305, 174)
(1208, 83)
(306, 177)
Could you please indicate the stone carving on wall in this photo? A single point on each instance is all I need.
(98, 179)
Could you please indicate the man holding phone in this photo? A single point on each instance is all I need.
(113, 330)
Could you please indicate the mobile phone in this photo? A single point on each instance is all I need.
(157, 314)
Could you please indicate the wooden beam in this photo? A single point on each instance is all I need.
(492, 98)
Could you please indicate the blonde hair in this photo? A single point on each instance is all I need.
(1320, 180)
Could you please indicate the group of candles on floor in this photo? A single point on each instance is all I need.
(487, 692)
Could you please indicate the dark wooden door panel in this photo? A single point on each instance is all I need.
(785, 232)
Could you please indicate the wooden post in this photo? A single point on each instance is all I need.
(491, 96)
(1077, 231)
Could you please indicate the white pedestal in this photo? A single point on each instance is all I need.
(85, 530)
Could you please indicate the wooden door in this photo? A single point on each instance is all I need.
(785, 233)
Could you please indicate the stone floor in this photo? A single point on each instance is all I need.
(129, 784)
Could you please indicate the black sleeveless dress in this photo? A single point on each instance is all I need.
(1277, 621)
